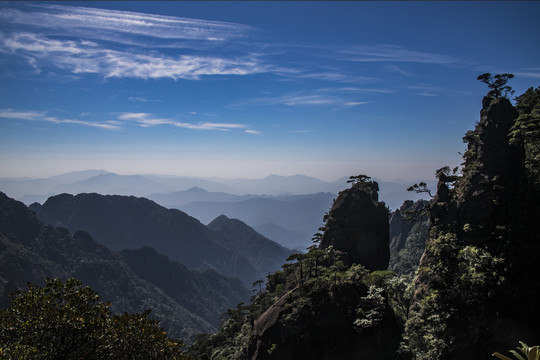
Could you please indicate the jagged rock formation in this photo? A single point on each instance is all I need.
(475, 290)
(403, 220)
(409, 230)
(357, 224)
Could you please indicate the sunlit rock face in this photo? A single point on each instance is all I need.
(357, 224)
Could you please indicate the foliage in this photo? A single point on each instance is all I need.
(316, 278)
(527, 130)
(420, 187)
(531, 353)
(371, 310)
(400, 291)
(364, 182)
(68, 321)
(497, 84)
(406, 260)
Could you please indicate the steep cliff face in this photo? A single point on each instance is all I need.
(409, 231)
(321, 326)
(404, 219)
(357, 224)
(473, 290)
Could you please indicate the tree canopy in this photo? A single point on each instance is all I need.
(497, 84)
(65, 320)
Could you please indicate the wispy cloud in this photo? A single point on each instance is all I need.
(528, 74)
(318, 98)
(299, 131)
(120, 44)
(42, 116)
(427, 90)
(97, 22)
(332, 76)
(140, 119)
(148, 120)
(395, 53)
(83, 57)
(398, 70)
(357, 90)
(255, 132)
(142, 99)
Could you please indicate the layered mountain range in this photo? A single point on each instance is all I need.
(127, 222)
(187, 302)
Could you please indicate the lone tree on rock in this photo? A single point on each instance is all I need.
(497, 84)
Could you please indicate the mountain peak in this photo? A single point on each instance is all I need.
(196, 189)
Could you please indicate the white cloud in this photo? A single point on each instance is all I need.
(147, 120)
(321, 97)
(300, 131)
(142, 99)
(21, 115)
(397, 69)
(395, 53)
(42, 116)
(533, 75)
(78, 57)
(255, 132)
(94, 22)
(133, 116)
(356, 103)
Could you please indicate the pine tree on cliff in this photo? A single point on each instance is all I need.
(497, 84)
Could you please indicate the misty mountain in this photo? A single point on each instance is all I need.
(157, 187)
(186, 302)
(277, 185)
(113, 184)
(266, 255)
(287, 237)
(195, 194)
(300, 214)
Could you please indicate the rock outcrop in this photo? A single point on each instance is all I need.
(357, 224)
(474, 292)
(320, 326)
(403, 220)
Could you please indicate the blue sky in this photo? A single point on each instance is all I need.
(248, 89)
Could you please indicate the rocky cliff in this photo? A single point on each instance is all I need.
(403, 220)
(325, 304)
(474, 292)
(357, 224)
(409, 230)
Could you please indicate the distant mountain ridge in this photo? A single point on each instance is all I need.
(104, 182)
(300, 214)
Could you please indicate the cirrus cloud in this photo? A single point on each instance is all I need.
(148, 120)
(42, 116)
